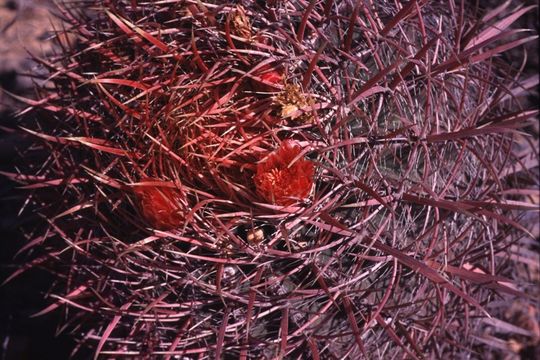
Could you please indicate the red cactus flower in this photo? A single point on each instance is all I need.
(281, 181)
(160, 205)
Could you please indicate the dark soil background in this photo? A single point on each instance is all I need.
(24, 26)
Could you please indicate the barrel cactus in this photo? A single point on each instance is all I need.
(279, 179)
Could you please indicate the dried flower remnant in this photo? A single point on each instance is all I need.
(239, 22)
(160, 205)
(255, 235)
(292, 99)
(280, 180)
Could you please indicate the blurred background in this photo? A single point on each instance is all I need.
(25, 27)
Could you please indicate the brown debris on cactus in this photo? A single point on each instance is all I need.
(294, 104)
(255, 235)
(239, 22)
(233, 247)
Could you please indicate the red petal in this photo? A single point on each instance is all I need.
(160, 205)
(278, 181)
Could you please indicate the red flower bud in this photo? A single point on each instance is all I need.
(281, 181)
(268, 77)
(272, 76)
(160, 205)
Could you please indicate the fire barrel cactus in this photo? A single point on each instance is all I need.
(279, 179)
